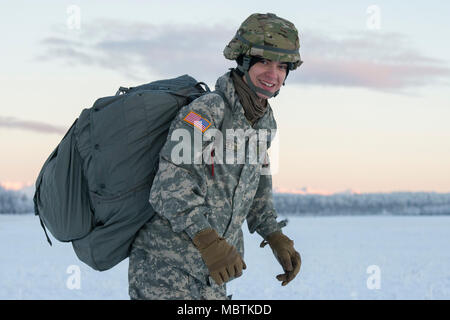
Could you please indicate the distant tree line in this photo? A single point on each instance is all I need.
(396, 203)
(15, 202)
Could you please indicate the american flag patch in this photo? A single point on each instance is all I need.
(197, 121)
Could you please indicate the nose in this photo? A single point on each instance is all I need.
(271, 70)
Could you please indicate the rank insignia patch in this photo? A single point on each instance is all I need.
(197, 121)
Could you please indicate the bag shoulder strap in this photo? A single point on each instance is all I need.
(227, 122)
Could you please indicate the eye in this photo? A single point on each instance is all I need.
(283, 66)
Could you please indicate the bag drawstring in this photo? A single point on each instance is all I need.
(43, 227)
(212, 162)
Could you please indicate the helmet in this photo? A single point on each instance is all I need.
(266, 36)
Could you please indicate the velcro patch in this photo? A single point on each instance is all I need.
(197, 121)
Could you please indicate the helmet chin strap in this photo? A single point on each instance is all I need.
(244, 68)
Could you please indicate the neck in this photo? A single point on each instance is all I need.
(254, 106)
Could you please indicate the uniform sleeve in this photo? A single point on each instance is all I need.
(179, 188)
(262, 214)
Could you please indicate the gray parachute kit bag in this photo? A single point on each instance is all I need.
(93, 189)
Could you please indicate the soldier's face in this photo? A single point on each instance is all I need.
(268, 75)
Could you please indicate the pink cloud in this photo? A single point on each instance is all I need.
(374, 60)
(37, 126)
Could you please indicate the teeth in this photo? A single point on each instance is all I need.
(267, 84)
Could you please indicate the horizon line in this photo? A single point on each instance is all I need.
(20, 185)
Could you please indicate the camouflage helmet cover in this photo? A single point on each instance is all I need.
(267, 36)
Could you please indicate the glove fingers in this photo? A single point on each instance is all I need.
(231, 270)
(283, 278)
(237, 271)
(285, 261)
(224, 275)
(297, 262)
(290, 275)
(217, 278)
(239, 266)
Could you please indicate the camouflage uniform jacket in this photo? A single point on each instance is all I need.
(189, 198)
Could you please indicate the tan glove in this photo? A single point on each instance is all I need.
(283, 249)
(221, 258)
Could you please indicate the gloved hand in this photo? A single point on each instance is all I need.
(221, 258)
(283, 249)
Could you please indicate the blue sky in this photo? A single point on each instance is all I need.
(366, 111)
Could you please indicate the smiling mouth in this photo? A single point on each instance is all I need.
(266, 85)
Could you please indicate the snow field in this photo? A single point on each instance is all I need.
(370, 257)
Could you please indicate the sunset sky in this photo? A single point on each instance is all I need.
(368, 111)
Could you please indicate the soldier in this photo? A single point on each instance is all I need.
(194, 245)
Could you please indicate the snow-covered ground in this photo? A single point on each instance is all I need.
(371, 257)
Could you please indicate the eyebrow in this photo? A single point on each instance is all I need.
(281, 63)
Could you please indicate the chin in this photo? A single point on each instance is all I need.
(262, 96)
